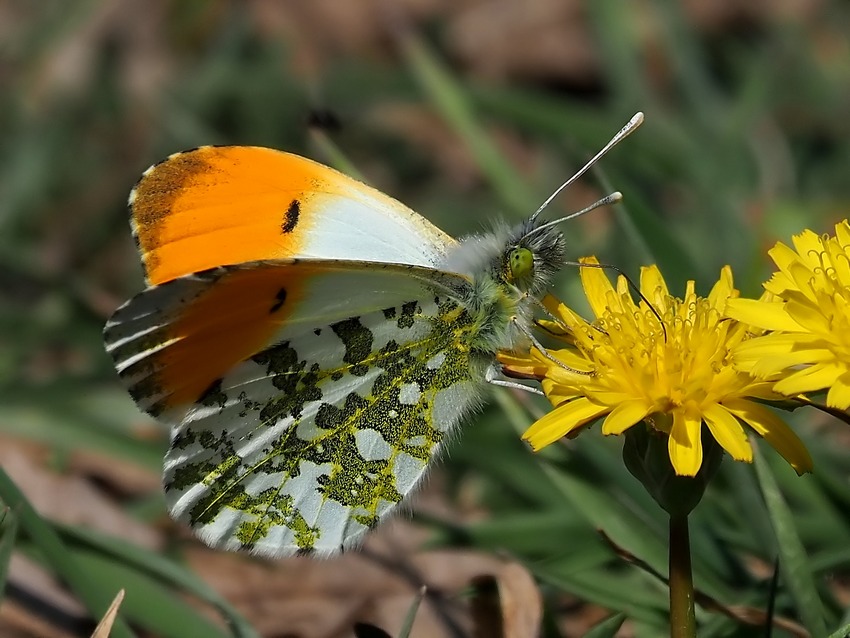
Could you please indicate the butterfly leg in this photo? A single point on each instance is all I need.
(524, 330)
(561, 325)
(494, 377)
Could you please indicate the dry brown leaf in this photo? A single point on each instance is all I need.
(521, 602)
(18, 622)
(313, 598)
(576, 616)
(323, 598)
(72, 500)
(321, 30)
(507, 603)
(104, 627)
(32, 577)
(429, 133)
(138, 27)
(42, 592)
(125, 478)
(494, 38)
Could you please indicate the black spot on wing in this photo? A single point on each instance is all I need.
(290, 218)
(357, 340)
(408, 312)
(280, 297)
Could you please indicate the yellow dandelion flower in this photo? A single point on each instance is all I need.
(624, 367)
(807, 308)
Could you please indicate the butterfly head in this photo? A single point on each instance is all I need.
(532, 256)
(536, 250)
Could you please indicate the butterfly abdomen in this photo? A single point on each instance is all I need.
(493, 307)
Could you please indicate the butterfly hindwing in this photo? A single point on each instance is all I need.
(217, 205)
(310, 442)
(307, 440)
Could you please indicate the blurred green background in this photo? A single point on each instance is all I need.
(466, 111)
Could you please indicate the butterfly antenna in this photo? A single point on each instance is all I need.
(613, 198)
(637, 120)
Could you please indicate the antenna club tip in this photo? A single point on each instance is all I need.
(637, 118)
(616, 196)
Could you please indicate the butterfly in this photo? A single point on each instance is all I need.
(312, 342)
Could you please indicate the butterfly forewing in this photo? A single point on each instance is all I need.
(172, 341)
(217, 205)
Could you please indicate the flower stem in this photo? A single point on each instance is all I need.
(682, 619)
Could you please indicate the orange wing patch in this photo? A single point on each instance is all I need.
(224, 205)
(230, 320)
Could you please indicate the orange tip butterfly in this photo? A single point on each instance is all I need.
(311, 341)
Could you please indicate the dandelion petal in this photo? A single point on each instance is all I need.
(561, 421)
(809, 379)
(807, 317)
(727, 431)
(839, 393)
(652, 285)
(625, 415)
(842, 233)
(767, 315)
(774, 431)
(684, 444)
(597, 289)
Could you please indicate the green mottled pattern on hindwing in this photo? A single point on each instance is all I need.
(380, 388)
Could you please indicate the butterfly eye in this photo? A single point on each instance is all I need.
(520, 263)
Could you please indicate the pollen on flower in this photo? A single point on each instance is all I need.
(641, 371)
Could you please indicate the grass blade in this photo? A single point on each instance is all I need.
(407, 625)
(160, 569)
(451, 101)
(7, 544)
(794, 562)
(333, 154)
(94, 593)
(104, 627)
(841, 633)
(608, 628)
(150, 605)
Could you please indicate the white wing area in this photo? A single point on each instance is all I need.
(364, 224)
(311, 440)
